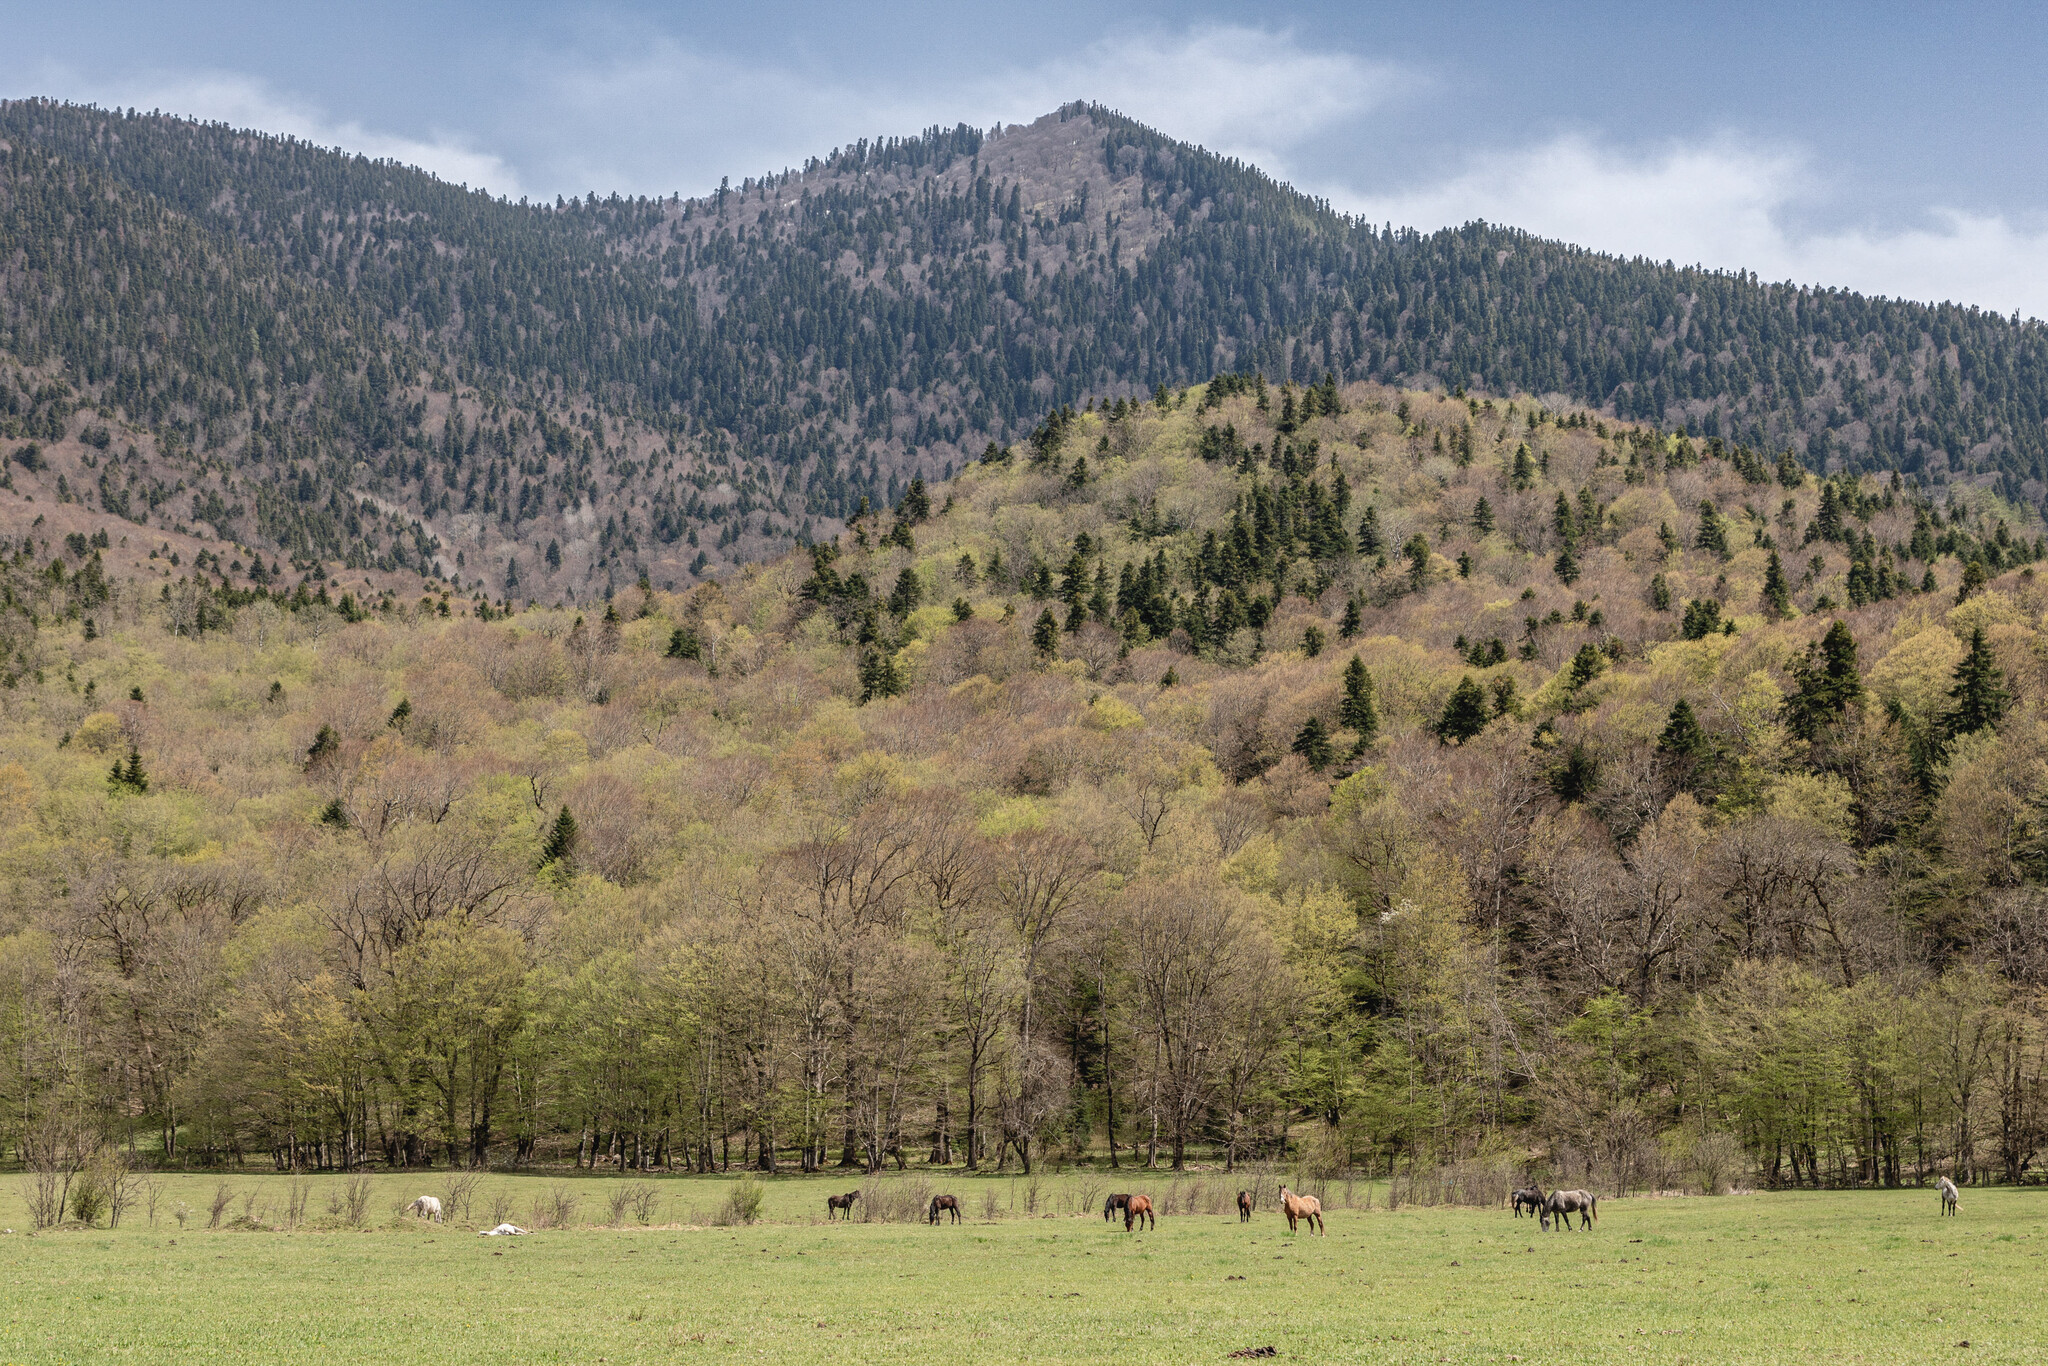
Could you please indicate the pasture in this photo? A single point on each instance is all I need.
(1871, 1277)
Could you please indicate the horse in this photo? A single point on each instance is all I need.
(1299, 1207)
(1138, 1210)
(1563, 1204)
(1244, 1207)
(1529, 1196)
(944, 1202)
(426, 1207)
(835, 1204)
(1951, 1198)
(1115, 1204)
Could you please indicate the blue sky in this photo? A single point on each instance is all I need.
(1890, 148)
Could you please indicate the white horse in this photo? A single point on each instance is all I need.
(426, 1207)
(1951, 1199)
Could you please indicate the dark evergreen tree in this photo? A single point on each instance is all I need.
(1777, 594)
(1465, 713)
(1312, 743)
(1358, 712)
(558, 848)
(1978, 692)
(1825, 683)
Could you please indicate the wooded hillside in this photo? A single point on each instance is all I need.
(365, 372)
(1394, 776)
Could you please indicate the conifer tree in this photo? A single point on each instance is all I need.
(1358, 712)
(1312, 743)
(559, 848)
(1464, 714)
(1826, 682)
(1482, 516)
(1352, 624)
(1711, 535)
(1369, 542)
(1979, 691)
(1045, 634)
(1777, 593)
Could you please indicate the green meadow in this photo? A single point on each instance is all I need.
(1864, 1277)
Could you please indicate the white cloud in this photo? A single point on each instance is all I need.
(246, 102)
(669, 116)
(1726, 204)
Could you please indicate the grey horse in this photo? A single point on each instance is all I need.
(1563, 1204)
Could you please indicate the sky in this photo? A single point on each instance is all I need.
(1889, 148)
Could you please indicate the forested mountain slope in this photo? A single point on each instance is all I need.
(1383, 775)
(385, 373)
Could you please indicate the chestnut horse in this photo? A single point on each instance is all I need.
(1138, 1210)
(1115, 1204)
(1244, 1207)
(949, 1203)
(1300, 1207)
(840, 1204)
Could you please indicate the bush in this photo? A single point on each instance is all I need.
(554, 1209)
(742, 1203)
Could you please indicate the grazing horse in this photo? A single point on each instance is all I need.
(1529, 1197)
(950, 1203)
(1138, 1210)
(426, 1207)
(1244, 1207)
(1299, 1207)
(835, 1204)
(1563, 1204)
(1115, 1204)
(1951, 1198)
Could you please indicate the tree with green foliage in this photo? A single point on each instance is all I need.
(1777, 594)
(1588, 663)
(1974, 579)
(1682, 737)
(1312, 743)
(1825, 683)
(1464, 715)
(1712, 534)
(684, 643)
(129, 777)
(1358, 711)
(1369, 540)
(1978, 691)
(1045, 634)
(558, 847)
(326, 745)
(1702, 619)
(1482, 516)
(1353, 621)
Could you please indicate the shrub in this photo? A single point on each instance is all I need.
(742, 1203)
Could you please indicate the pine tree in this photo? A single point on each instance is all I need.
(1358, 712)
(1660, 593)
(559, 848)
(1312, 743)
(1683, 737)
(400, 714)
(1566, 566)
(683, 643)
(326, 744)
(1353, 623)
(916, 505)
(1045, 634)
(1789, 472)
(1777, 593)
(1979, 690)
(1464, 714)
(1974, 578)
(1369, 542)
(1826, 681)
(1711, 535)
(1312, 641)
(1482, 516)
(1588, 663)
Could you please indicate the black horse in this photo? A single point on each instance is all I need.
(1115, 1205)
(1530, 1198)
(840, 1204)
(949, 1203)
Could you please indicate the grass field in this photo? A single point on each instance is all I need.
(1876, 1277)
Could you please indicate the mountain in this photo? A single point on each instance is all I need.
(1373, 780)
(361, 369)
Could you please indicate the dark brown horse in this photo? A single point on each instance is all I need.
(1244, 1207)
(948, 1203)
(1530, 1198)
(1138, 1210)
(840, 1204)
(1115, 1204)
